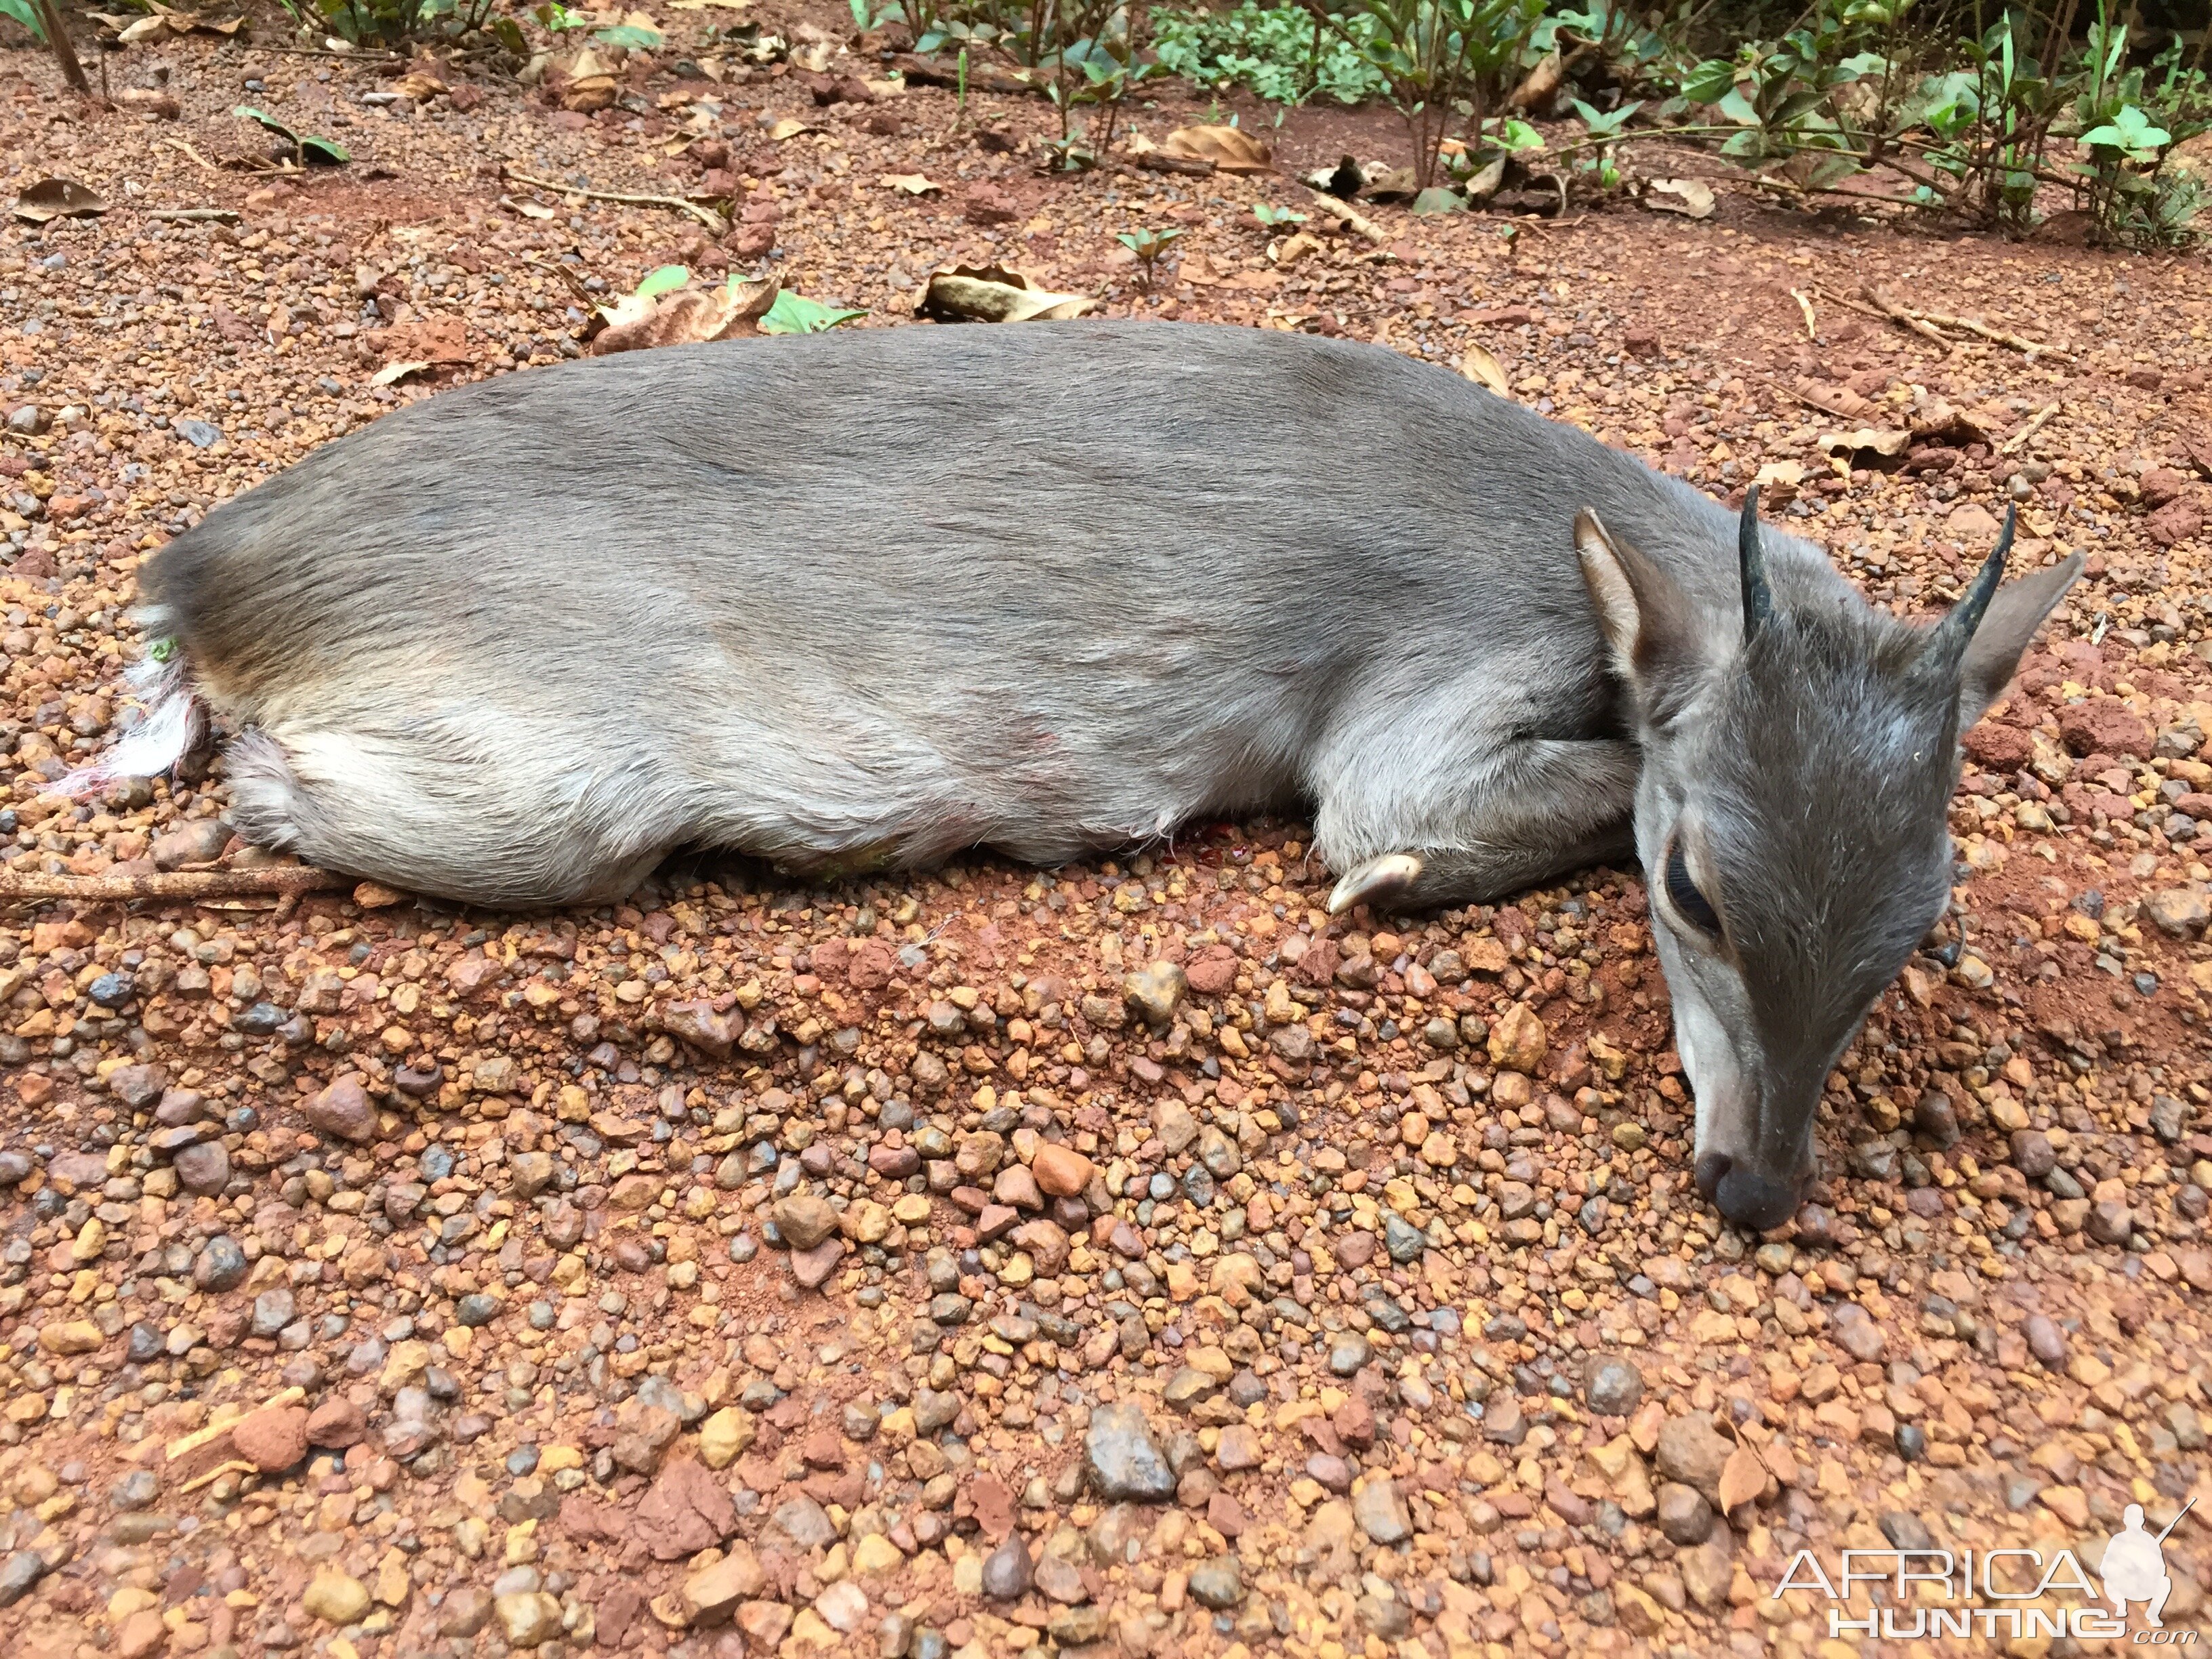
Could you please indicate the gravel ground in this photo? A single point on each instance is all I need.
(1127, 1259)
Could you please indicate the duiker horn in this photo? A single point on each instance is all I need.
(1758, 601)
(1948, 640)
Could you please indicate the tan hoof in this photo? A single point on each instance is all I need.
(1379, 878)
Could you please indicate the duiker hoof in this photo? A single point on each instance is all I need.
(1379, 878)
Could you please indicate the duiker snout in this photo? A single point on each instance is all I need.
(1754, 1198)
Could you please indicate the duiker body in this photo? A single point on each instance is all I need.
(869, 598)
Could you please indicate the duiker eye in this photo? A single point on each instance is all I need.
(1683, 892)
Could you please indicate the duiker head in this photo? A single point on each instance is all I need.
(1791, 819)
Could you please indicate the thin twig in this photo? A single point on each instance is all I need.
(185, 145)
(1805, 304)
(1344, 214)
(64, 53)
(175, 886)
(1973, 326)
(195, 216)
(1898, 313)
(2036, 420)
(713, 221)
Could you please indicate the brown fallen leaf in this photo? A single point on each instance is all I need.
(587, 84)
(1232, 149)
(790, 127)
(1539, 83)
(1691, 197)
(911, 183)
(1295, 247)
(1886, 442)
(145, 29)
(994, 293)
(1485, 370)
(685, 316)
(49, 199)
(1743, 1478)
(418, 87)
(528, 210)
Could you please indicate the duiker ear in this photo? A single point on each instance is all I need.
(1644, 617)
(2015, 612)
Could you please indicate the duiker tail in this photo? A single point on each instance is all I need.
(173, 724)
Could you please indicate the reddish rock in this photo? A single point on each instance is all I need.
(343, 1109)
(697, 1024)
(987, 204)
(870, 967)
(686, 1512)
(272, 1439)
(336, 1423)
(2177, 521)
(1061, 1170)
(812, 1268)
(2101, 725)
(1212, 972)
(1998, 747)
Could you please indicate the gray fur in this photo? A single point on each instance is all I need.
(873, 597)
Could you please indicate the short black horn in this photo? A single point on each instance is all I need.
(1758, 601)
(1948, 639)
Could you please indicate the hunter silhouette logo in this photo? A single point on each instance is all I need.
(2134, 1567)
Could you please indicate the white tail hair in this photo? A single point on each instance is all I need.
(174, 722)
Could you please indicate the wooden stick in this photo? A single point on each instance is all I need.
(713, 221)
(1342, 212)
(1898, 313)
(1805, 304)
(64, 53)
(2029, 431)
(176, 886)
(1973, 326)
(195, 216)
(185, 145)
(1158, 160)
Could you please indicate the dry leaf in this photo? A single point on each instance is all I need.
(146, 28)
(994, 293)
(527, 209)
(1691, 197)
(392, 372)
(590, 84)
(912, 183)
(813, 56)
(1485, 370)
(1743, 1477)
(1787, 473)
(58, 198)
(688, 316)
(1294, 248)
(790, 127)
(1230, 149)
(1539, 83)
(418, 87)
(1882, 441)
(702, 5)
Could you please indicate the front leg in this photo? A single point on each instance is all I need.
(1537, 809)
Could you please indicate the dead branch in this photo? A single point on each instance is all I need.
(982, 77)
(1997, 336)
(2034, 421)
(50, 14)
(1345, 215)
(174, 887)
(1898, 313)
(1158, 160)
(713, 220)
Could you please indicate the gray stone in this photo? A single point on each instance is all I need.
(1382, 1514)
(1123, 1459)
(1008, 1570)
(1613, 1387)
(1684, 1514)
(1217, 1584)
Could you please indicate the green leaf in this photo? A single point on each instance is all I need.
(1518, 136)
(323, 152)
(663, 279)
(631, 36)
(1436, 199)
(794, 313)
(266, 120)
(24, 13)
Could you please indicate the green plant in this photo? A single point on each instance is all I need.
(1602, 128)
(1147, 245)
(1274, 218)
(1440, 60)
(792, 314)
(27, 14)
(919, 17)
(1284, 54)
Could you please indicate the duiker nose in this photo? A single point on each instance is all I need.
(1750, 1199)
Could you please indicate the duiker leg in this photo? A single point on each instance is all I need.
(1539, 808)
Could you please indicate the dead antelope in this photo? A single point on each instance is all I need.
(863, 600)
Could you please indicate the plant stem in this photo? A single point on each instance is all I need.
(64, 53)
